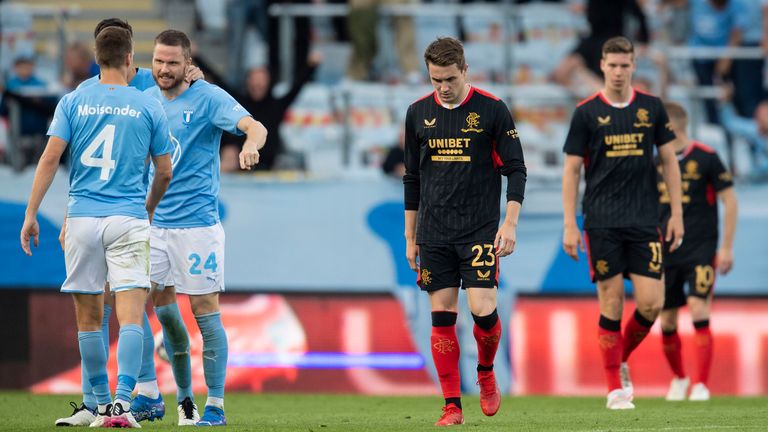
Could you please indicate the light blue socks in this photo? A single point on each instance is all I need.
(129, 353)
(147, 371)
(215, 352)
(94, 363)
(176, 340)
(89, 399)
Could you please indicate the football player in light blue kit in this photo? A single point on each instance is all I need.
(109, 129)
(187, 239)
(148, 405)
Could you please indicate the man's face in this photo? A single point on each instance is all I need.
(23, 69)
(169, 67)
(618, 69)
(448, 81)
(258, 83)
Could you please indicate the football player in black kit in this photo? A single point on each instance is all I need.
(459, 141)
(613, 134)
(704, 180)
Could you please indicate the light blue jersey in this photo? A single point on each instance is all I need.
(142, 80)
(197, 119)
(110, 130)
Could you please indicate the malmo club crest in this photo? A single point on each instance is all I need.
(444, 346)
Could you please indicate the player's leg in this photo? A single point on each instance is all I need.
(446, 351)
(674, 298)
(176, 342)
(89, 399)
(215, 353)
(197, 257)
(148, 403)
(439, 277)
(607, 262)
(479, 273)
(645, 267)
(701, 284)
(126, 240)
(86, 274)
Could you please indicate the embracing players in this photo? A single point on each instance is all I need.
(459, 141)
(110, 129)
(612, 135)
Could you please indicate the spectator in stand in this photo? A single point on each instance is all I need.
(25, 83)
(394, 161)
(606, 19)
(747, 74)
(362, 20)
(266, 108)
(754, 130)
(78, 65)
(714, 23)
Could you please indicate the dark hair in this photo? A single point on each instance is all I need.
(176, 38)
(112, 45)
(618, 45)
(445, 51)
(676, 111)
(112, 22)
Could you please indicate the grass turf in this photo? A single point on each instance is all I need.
(325, 413)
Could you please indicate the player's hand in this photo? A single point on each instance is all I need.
(411, 253)
(724, 260)
(62, 233)
(249, 157)
(315, 58)
(30, 230)
(506, 238)
(675, 233)
(193, 74)
(572, 242)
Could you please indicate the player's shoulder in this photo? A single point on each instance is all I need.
(645, 98)
(424, 100)
(590, 100)
(703, 148)
(484, 94)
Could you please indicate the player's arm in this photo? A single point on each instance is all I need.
(411, 191)
(255, 138)
(575, 147)
(510, 152)
(725, 252)
(44, 174)
(160, 182)
(670, 170)
(572, 242)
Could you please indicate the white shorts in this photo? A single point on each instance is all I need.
(112, 249)
(190, 259)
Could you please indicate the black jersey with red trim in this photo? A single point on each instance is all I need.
(454, 159)
(703, 175)
(617, 145)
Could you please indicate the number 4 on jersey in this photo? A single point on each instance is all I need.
(105, 162)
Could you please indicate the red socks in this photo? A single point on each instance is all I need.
(635, 331)
(445, 352)
(610, 341)
(487, 331)
(704, 345)
(672, 351)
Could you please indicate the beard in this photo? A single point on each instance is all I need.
(168, 84)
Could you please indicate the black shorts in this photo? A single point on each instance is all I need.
(697, 271)
(471, 265)
(613, 251)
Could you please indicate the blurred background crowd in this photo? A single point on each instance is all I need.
(331, 79)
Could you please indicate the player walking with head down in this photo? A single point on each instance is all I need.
(612, 135)
(459, 141)
(704, 179)
(187, 237)
(110, 129)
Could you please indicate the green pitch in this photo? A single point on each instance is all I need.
(327, 413)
